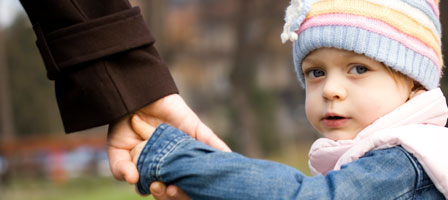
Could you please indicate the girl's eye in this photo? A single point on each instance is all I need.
(359, 69)
(315, 73)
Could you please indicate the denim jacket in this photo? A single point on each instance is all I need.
(417, 125)
(203, 172)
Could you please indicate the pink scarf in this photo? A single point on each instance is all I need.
(417, 125)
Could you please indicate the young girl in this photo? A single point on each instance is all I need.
(371, 69)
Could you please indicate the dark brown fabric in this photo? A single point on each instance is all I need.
(101, 56)
(89, 41)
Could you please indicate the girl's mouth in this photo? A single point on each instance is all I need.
(334, 121)
(334, 117)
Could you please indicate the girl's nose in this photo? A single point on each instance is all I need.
(334, 90)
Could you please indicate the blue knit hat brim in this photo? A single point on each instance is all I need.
(390, 52)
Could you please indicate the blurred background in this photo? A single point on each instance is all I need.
(228, 63)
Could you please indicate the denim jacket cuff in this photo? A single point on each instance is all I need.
(163, 141)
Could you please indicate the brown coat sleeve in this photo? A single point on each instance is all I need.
(101, 56)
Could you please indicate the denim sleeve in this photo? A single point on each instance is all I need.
(203, 172)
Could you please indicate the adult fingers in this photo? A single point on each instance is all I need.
(193, 126)
(122, 166)
(173, 110)
(206, 135)
(142, 128)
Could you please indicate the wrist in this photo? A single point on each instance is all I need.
(163, 142)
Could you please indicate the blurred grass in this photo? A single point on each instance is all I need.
(84, 188)
(107, 188)
(295, 156)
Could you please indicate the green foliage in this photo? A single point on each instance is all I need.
(83, 188)
(264, 104)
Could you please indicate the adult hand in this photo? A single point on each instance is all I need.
(172, 110)
(121, 139)
(178, 114)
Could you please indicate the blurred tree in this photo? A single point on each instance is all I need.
(242, 79)
(154, 12)
(7, 131)
(34, 103)
(198, 37)
(254, 106)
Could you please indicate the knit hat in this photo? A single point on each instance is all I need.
(403, 34)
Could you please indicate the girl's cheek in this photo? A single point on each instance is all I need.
(312, 111)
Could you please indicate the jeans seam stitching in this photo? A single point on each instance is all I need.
(176, 142)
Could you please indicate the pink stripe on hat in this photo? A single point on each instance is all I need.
(434, 6)
(375, 26)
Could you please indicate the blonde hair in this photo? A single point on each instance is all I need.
(400, 78)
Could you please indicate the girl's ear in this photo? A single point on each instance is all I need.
(417, 89)
(416, 93)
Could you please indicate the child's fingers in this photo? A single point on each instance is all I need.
(158, 191)
(135, 152)
(142, 128)
(175, 193)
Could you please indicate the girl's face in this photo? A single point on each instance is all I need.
(346, 92)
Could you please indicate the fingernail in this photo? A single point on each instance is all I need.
(136, 117)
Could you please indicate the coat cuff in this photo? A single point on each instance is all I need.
(68, 47)
(103, 91)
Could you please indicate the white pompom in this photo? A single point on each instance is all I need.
(293, 36)
(285, 37)
(292, 14)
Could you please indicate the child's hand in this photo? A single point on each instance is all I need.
(135, 152)
(159, 190)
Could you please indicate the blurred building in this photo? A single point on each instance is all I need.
(55, 157)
